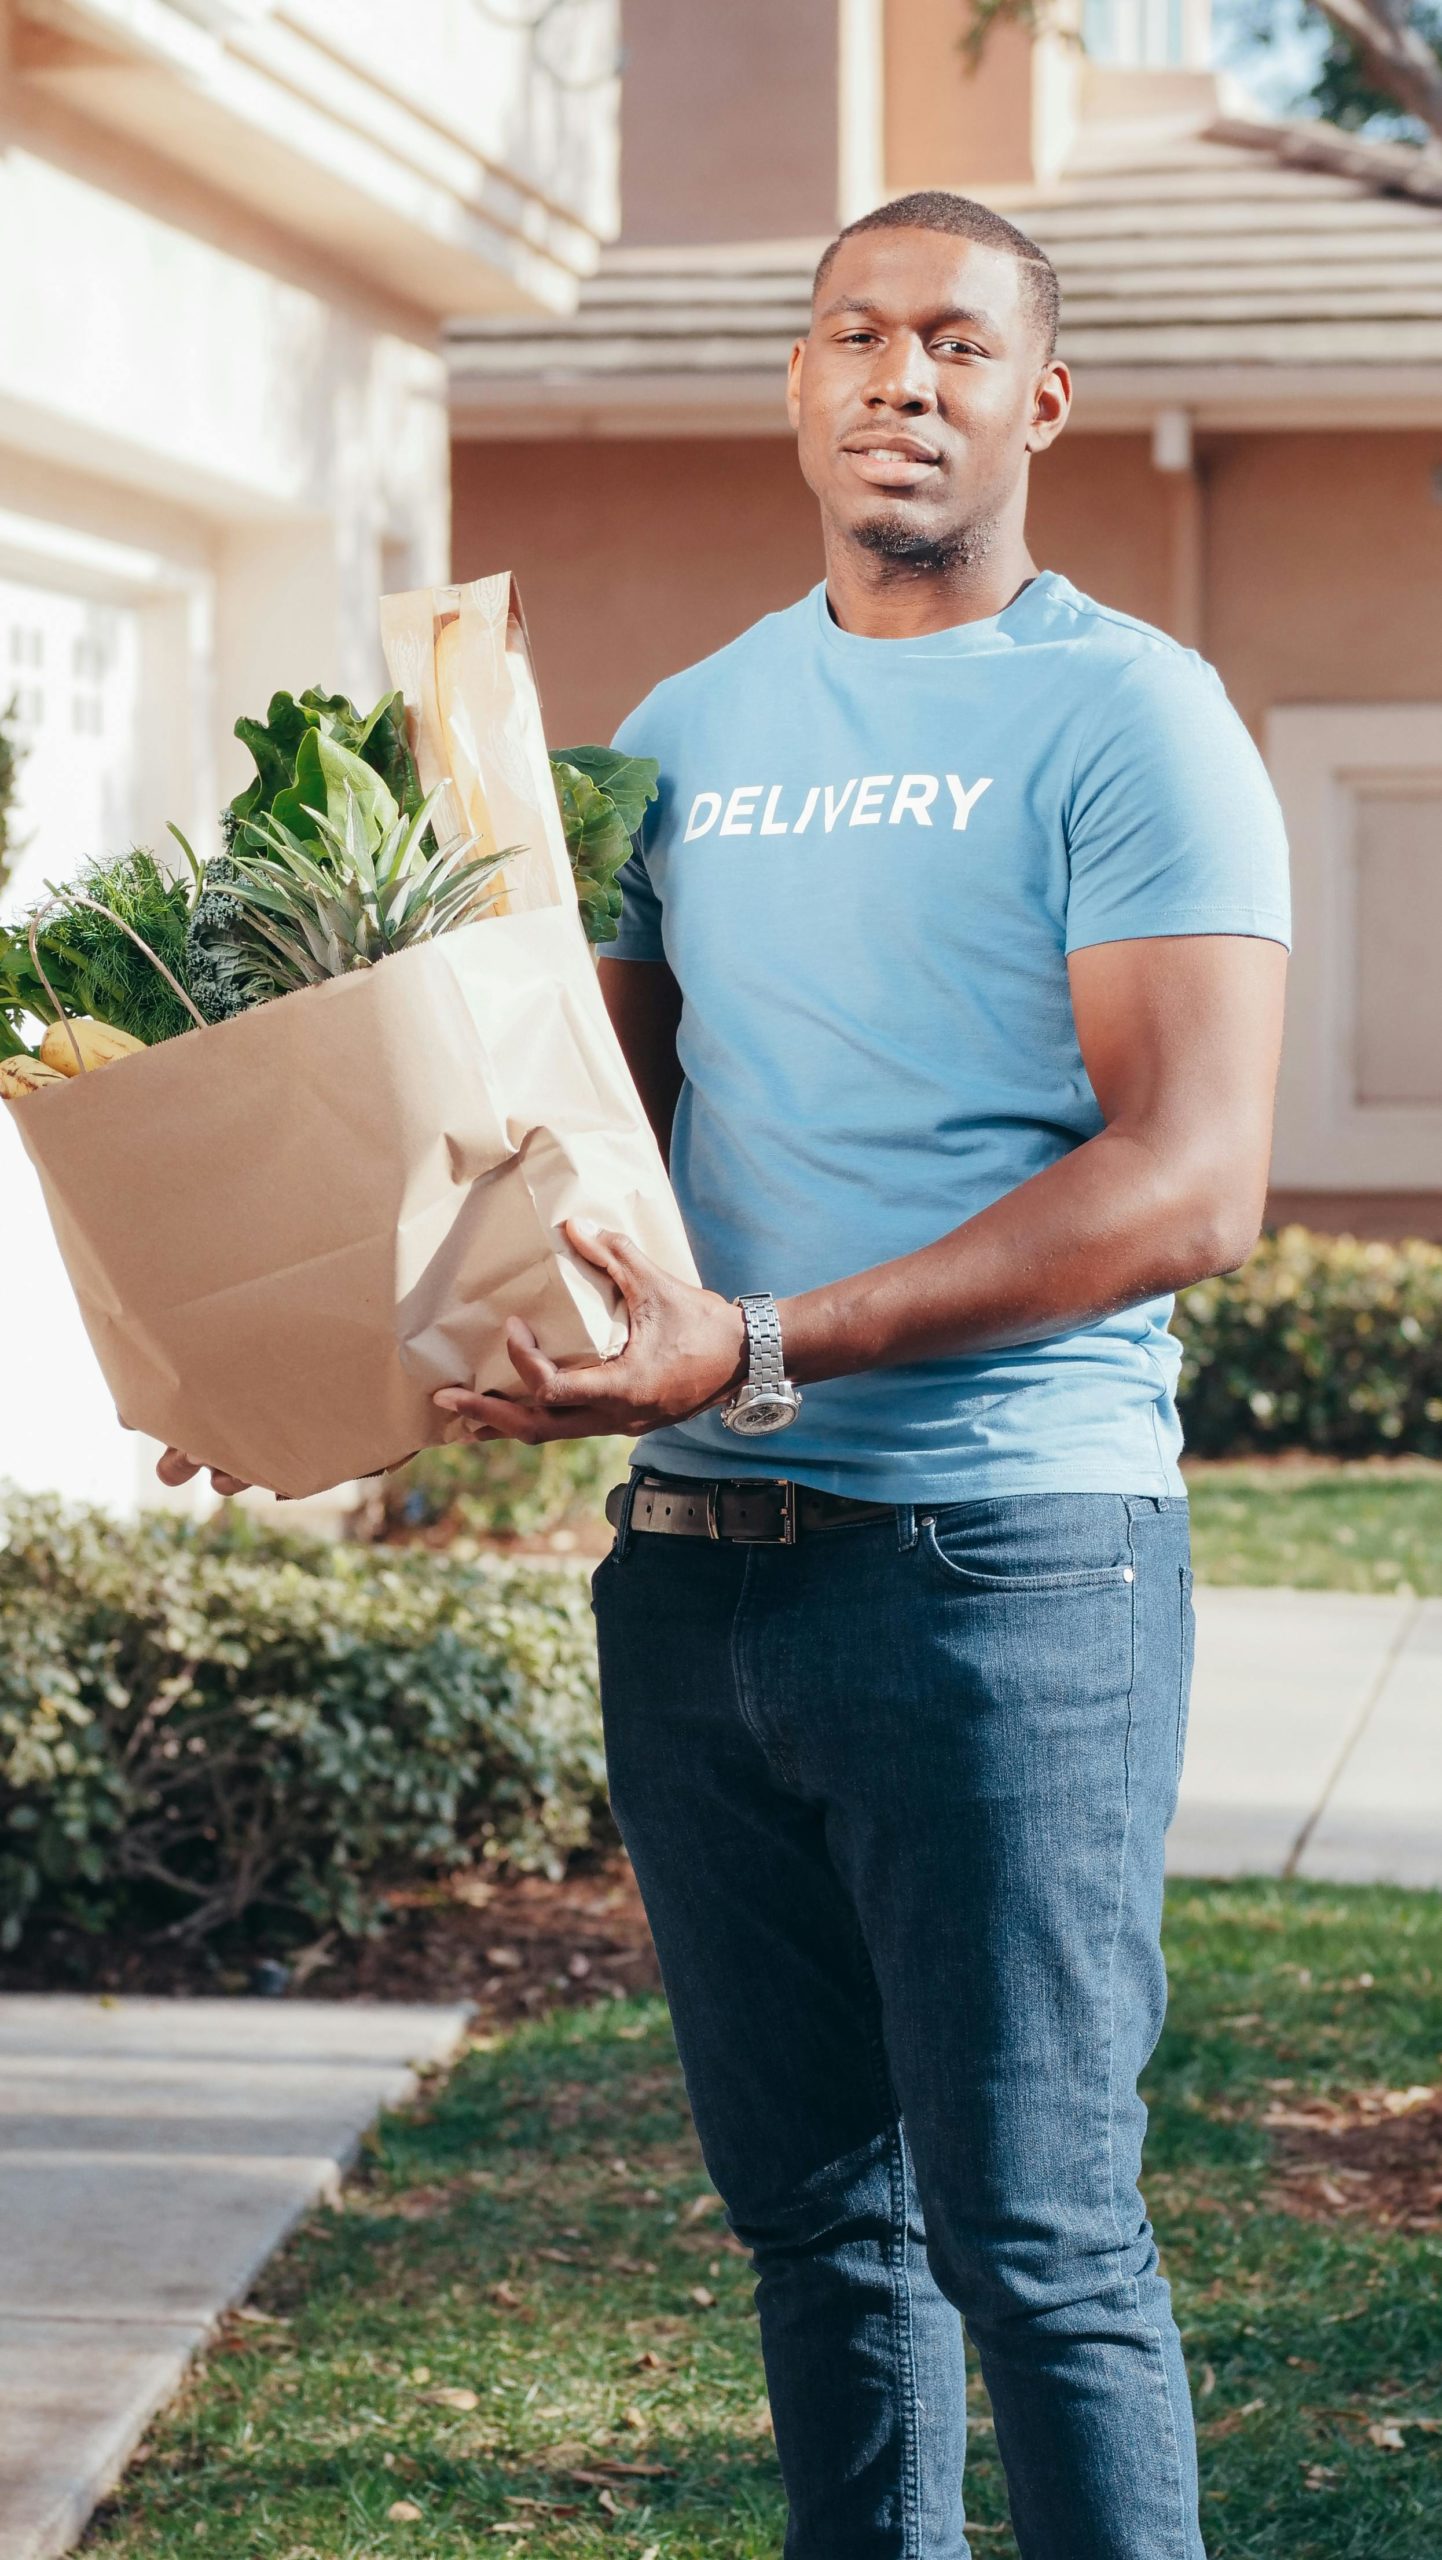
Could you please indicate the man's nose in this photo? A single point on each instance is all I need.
(903, 379)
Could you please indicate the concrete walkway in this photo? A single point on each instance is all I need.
(1315, 1746)
(152, 2154)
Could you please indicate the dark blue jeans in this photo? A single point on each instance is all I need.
(896, 1799)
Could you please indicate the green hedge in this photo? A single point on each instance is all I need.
(495, 1489)
(201, 1725)
(1320, 1342)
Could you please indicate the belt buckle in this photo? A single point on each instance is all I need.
(787, 1491)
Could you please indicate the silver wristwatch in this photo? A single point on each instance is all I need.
(767, 1400)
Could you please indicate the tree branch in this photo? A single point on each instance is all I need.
(1394, 56)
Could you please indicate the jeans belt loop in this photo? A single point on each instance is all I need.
(905, 1526)
(628, 1505)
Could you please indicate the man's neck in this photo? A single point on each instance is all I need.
(882, 599)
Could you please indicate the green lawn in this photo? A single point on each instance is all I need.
(1353, 1527)
(525, 2328)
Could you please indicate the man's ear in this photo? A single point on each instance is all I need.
(1051, 407)
(793, 382)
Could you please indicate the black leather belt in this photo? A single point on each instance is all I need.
(768, 1513)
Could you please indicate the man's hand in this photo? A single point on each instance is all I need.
(176, 1469)
(687, 1350)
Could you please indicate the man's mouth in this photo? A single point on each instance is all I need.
(891, 462)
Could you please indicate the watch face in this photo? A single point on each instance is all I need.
(756, 1411)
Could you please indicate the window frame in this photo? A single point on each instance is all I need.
(1318, 755)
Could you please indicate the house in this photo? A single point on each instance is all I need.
(1254, 313)
(232, 231)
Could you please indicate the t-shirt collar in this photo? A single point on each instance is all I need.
(959, 641)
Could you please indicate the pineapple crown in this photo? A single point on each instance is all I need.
(353, 892)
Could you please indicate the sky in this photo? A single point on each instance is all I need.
(1278, 72)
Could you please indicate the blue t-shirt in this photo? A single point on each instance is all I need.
(866, 867)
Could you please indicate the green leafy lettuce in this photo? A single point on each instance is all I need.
(307, 752)
(603, 798)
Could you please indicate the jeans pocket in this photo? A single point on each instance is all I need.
(1025, 1543)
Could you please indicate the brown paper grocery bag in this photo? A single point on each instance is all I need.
(286, 1230)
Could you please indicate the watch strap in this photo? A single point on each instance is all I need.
(767, 1371)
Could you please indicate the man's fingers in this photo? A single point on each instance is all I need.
(537, 1374)
(634, 1273)
(174, 1468)
(502, 1417)
(489, 1417)
(463, 1402)
(533, 1423)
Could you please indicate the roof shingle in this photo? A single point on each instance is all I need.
(1256, 248)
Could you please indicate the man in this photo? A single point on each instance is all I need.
(951, 975)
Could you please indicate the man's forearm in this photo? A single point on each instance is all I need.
(1109, 1225)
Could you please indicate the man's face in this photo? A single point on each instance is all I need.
(919, 393)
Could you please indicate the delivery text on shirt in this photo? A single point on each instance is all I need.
(861, 802)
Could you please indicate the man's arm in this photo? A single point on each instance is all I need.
(644, 1003)
(1180, 1037)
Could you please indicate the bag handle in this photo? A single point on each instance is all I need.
(76, 898)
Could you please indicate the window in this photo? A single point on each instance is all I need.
(1144, 34)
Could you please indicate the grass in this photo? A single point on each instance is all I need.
(1349, 1527)
(538, 2242)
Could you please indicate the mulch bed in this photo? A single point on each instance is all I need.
(512, 1944)
(1375, 2155)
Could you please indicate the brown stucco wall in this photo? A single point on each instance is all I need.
(1323, 580)
(1323, 555)
(635, 560)
(1324, 568)
(729, 126)
(949, 123)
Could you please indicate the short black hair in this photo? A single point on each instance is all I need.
(937, 209)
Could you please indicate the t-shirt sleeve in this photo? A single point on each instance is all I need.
(638, 932)
(1173, 826)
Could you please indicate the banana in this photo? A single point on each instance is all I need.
(20, 1076)
(99, 1045)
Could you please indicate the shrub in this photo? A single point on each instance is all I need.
(197, 1724)
(1321, 1342)
(493, 1489)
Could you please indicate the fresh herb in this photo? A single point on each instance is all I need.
(92, 964)
(603, 798)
